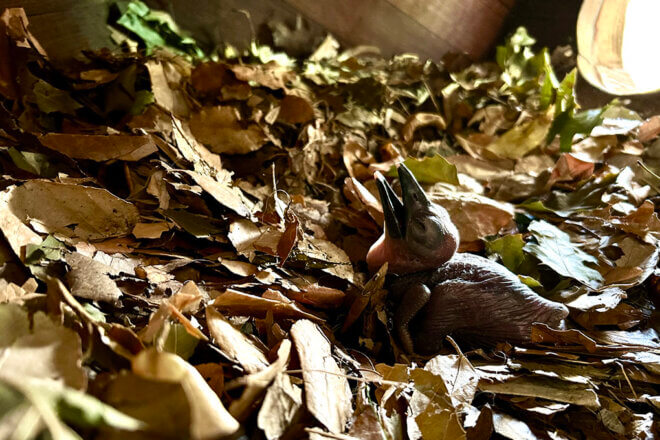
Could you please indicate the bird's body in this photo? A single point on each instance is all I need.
(474, 300)
(439, 292)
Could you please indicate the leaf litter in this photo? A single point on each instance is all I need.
(184, 241)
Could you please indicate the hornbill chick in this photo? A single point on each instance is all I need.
(437, 291)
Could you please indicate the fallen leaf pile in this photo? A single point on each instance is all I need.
(184, 236)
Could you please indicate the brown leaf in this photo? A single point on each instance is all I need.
(545, 388)
(327, 393)
(475, 216)
(541, 334)
(357, 160)
(220, 128)
(270, 75)
(288, 240)
(295, 110)
(73, 210)
(100, 148)
(569, 168)
(150, 230)
(354, 190)
(318, 296)
(39, 348)
(650, 129)
(373, 286)
(89, 279)
(217, 79)
(224, 192)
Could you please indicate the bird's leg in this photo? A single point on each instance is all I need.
(412, 300)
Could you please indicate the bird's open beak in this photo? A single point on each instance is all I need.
(396, 213)
(392, 208)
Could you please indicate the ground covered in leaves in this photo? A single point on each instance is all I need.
(184, 235)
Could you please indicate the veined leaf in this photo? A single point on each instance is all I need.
(555, 249)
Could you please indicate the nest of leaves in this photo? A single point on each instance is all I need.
(185, 234)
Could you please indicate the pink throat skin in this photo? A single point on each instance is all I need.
(401, 260)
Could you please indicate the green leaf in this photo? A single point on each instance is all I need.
(180, 342)
(52, 400)
(199, 226)
(555, 249)
(430, 170)
(156, 29)
(510, 250)
(565, 92)
(529, 281)
(51, 99)
(143, 98)
(50, 249)
(35, 163)
(522, 139)
(568, 125)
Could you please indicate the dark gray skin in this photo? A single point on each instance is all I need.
(439, 292)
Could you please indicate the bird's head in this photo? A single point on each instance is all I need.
(418, 235)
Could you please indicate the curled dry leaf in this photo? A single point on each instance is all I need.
(327, 393)
(522, 139)
(419, 120)
(208, 417)
(237, 303)
(221, 129)
(73, 210)
(100, 148)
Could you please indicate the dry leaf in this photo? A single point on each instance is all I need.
(208, 417)
(73, 210)
(236, 345)
(89, 279)
(327, 394)
(221, 129)
(100, 148)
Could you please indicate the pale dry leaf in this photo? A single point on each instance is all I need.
(459, 376)
(224, 192)
(512, 428)
(166, 82)
(281, 404)
(234, 343)
(432, 414)
(208, 416)
(47, 350)
(17, 234)
(327, 393)
(73, 210)
(257, 383)
(89, 279)
(100, 148)
(475, 216)
(545, 388)
(237, 303)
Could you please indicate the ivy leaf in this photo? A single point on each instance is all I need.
(555, 249)
(155, 29)
(430, 170)
(510, 249)
(568, 124)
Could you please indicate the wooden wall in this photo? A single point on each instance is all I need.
(427, 27)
